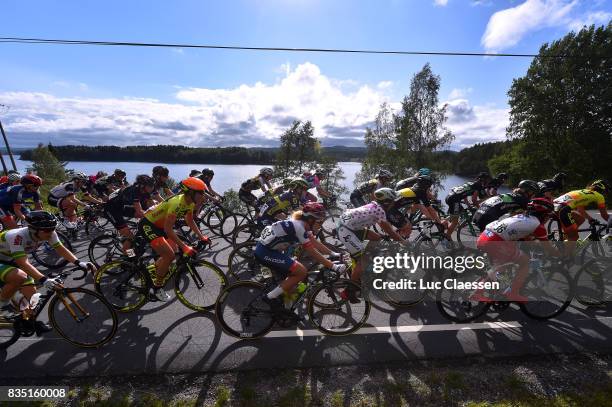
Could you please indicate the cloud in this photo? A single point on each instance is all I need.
(250, 114)
(458, 93)
(597, 18)
(475, 124)
(440, 3)
(507, 27)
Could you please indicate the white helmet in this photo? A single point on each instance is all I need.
(384, 174)
(79, 176)
(14, 177)
(385, 195)
(266, 171)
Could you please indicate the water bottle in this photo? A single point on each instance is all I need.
(301, 287)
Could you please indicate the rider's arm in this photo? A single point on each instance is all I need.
(604, 213)
(17, 210)
(475, 198)
(317, 256)
(24, 264)
(320, 247)
(192, 225)
(169, 229)
(386, 226)
(66, 254)
(138, 212)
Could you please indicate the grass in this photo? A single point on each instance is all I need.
(223, 396)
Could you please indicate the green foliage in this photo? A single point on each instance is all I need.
(560, 110)
(232, 202)
(298, 149)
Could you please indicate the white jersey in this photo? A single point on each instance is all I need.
(17, 243)
(281, 235)
(517, 227)
(363, 217)
(63, 190)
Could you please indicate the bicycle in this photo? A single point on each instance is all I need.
(127, 284)
(466, 231)
(242, 312)
(550, 285)
(594, 282)
(72, 313)
(46, 255)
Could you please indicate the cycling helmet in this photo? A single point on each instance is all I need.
(41, 220)
(384, 174)
(160, 171)
(600, 186)
(195, 173)
(78, 176)
(319, 172)
(145, 181)
(425, 179)
(266, 171)
(385, 195)
(101, 174)
(502, 175)
(31, 179)
(483, 175)
(529, 186)
(560, 176)
(14, 177)
(314, 210)
(424, 171)
(298, 183)
(208, 172)
(119, 172)
(193, 184)
(540, 206)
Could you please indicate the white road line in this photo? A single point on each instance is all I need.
(401, 329)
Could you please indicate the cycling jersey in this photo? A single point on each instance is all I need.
(5, 185)
(284, 234)
(16, 195)
(312, 181)
(581, 199)
(497, 206)
(515, 228)
(103, 183)
(253, 183)
(369, 186)
(406, 183)
(363, 217)
(17, 243)
(63, 190)
(273, 207)
(467, 189)
(549, 185)
(176, 205)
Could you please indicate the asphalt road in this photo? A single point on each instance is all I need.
(169, 338)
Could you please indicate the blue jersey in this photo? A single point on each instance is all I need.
(17, 195)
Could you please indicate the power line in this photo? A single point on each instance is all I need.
(20, 40)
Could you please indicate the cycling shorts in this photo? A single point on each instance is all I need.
(454, 204)
(149, 231)
(115, 215)
(566, 218)
(279, 262)
(6, 269)
(353, 240)
(247, 197)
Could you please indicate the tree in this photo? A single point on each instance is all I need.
(299, 149)
(404, 141)
(561, 109)
(47, 166)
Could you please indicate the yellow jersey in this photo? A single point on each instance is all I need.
(176, 205)
(581, 198)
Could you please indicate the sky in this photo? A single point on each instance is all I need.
(140, 96)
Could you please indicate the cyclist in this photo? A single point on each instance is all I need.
(495, 207)
(89, 185)
(458, 195)
(129, 202)
(498, 241)
(276, 242)
(262, 181)
(571, 208)
(364, 191)
(157, 227)
(353, 229)
(409, 182)
(314, 181)
(12, 179)
(161, 191)
(5, 178)
(278, 207)
(493, 185)
(207, 175)
(17, 273)
(106, 185)
(63, 197)
(399, 214)
(548, 186)
(13, 200)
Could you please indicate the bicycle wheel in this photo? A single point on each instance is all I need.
(241, 262)
(82, 317)
(550, 291)
(199, 285)
(333, 315)
(227, 227)
(242, 313)
(123, 285)
(457, 305)
(249, 232)
(467, 232)
(8, 334)
(104, 249)
(97, 225)
(593, 282)
(46, 256)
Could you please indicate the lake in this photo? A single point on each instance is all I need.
(226, 176)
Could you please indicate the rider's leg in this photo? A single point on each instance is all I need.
(68, 207)
(166, 255)
(13, 279)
